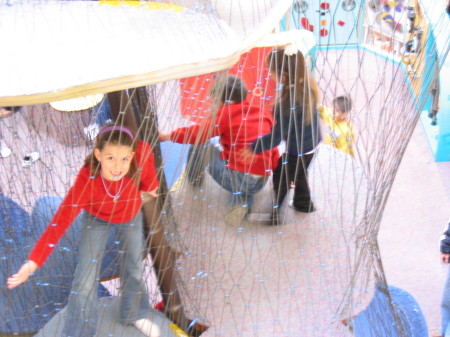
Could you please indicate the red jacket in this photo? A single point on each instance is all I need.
(88, 193)
(238, 125)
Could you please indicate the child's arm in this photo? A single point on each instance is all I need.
(246, 155)
(77, 197)
(146, 196)
(274, 137)
(194, 134)
(42, 249)
(149, 180)
(322, 111)
(154, 193)
(445, 245)
(22, 275)
(164, 137)
(445, 258)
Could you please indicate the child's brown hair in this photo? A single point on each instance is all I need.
(344, 103)
(229, 88)
(298, 84)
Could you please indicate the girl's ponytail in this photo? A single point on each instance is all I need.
(298, 86)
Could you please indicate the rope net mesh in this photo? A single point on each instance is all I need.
(310, 274)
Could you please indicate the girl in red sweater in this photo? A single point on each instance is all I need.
(238, 123)
(108, 189)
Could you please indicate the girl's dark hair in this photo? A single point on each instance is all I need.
(298, 84)
(344, 103)
(114, 137)
(12, 108)
(229, 88)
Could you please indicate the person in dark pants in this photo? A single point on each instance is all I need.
(444, 330)
(296, 123)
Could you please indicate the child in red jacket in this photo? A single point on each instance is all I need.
(108, 188)
(238, 124)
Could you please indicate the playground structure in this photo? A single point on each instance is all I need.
(198, 234)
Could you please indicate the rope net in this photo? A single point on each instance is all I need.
(215, 258)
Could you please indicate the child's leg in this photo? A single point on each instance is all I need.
(281, 180)
(245, 186)
(164, 258)
(217, 167)
(221, 174)
(302, 196)
(134, 301)
(81, 319)
(445, 308)
(241, 185)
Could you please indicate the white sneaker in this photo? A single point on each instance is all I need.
(215, 141)
(30, 158)
(5, 152)
(148, 328)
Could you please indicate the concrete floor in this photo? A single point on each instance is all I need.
(416, 213)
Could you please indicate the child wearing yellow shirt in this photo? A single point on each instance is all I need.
(338, 128)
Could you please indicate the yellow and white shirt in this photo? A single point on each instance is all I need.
(338, 134)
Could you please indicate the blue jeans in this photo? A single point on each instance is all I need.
(81, 319)
(241, 185)
(445, 308)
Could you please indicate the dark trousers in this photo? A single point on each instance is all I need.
(293, 168)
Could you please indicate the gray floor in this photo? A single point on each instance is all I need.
(108, 324)
(416, 213)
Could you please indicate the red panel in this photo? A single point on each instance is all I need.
(305, 24)
(323, 32)
(325, 5)
(194, 91)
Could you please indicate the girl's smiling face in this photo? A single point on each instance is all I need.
(115, 161)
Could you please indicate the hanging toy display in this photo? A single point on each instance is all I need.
(348, 5)
(300, 6)
(323, 11)
(411, 15)
(306, 25)
(374, 5)
(388, 13)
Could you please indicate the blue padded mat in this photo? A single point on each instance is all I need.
(379, 319)
(175, 155)
(30, 306)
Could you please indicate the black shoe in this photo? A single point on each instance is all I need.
(303, 209)
(274, 219)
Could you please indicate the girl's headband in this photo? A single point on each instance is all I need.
(117, 128)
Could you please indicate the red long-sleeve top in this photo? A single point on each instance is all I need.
(88, 193)
(238, 125)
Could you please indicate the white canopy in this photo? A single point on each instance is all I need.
(55, 50)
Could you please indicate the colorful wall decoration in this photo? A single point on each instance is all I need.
(332, 22)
